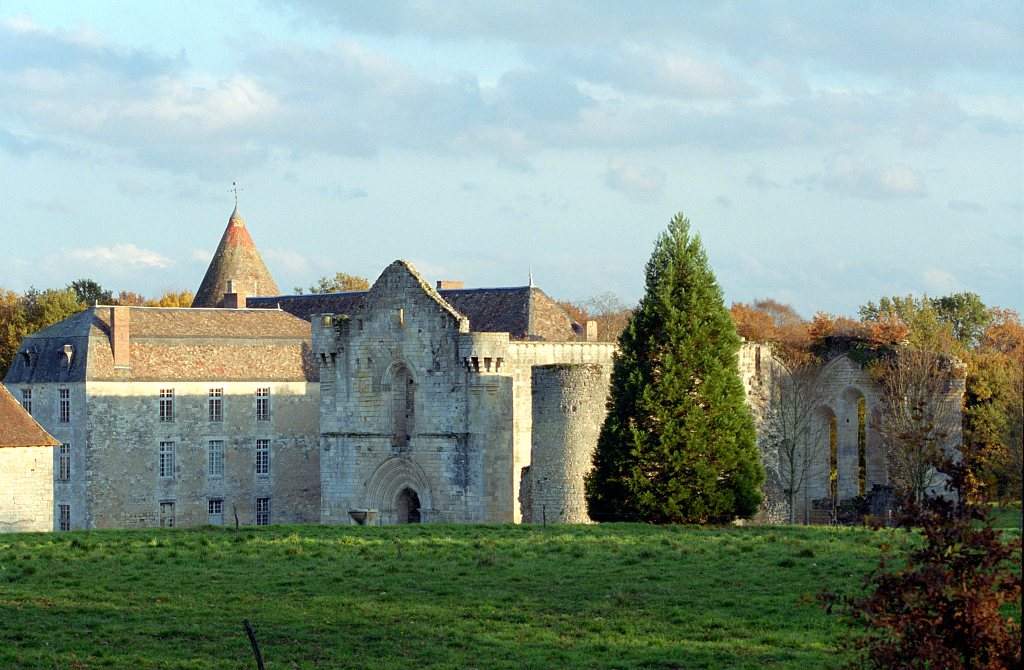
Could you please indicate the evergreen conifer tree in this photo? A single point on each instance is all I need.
(678, 444)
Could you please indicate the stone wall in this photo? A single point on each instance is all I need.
(568, 410)
(26, 489)
(124, 486)
(46, 410)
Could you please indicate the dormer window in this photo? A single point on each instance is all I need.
(68, 352)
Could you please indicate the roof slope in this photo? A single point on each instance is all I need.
(236, 259)
(18, 428)
(171, 343)
(524, 312)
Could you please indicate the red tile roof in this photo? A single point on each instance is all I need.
(17, 427)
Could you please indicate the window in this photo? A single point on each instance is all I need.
(215, 458)
(167, 460)
(65, 406)
(64, 517)
(166, 405)
(263, 404)
(215, 512)
(167, 514)
(64, 462)
(263, 457)
(26, 400)
(216, 403)
(262, 511)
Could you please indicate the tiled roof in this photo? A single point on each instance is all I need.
(168, 343)
(237, 260)
(523, 312)
(18, 428)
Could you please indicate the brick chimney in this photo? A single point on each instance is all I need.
(234, 297)
(450, 284)
(120, 335)
(591, 331)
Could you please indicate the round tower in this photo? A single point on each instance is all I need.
(568, 410)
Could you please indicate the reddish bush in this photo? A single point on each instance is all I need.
(945, 607)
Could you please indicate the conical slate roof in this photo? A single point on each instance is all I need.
(236, 259)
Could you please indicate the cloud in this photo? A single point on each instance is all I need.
(853, 178)
(639, 183)
(938, 281)
(122, 255)
(967, 206)
(292, 262)
(759, 180)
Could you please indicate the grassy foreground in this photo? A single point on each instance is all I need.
(614, 596)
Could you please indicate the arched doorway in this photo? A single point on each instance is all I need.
(407, 506)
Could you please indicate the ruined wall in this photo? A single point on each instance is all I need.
(568, 410)
(26, 489)
(124, 486)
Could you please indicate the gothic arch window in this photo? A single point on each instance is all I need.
(403, 406)
(831, 433)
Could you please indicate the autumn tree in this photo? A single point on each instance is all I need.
(339, 283)
(678, 443)
(13, 327)
(792, 429)
(172, 298)
(89, 293)
(918, 417)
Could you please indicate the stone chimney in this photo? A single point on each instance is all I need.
(591, 331)
(450, 284)
(235, 297)
(120, 335)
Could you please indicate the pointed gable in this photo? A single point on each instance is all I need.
(236, 260)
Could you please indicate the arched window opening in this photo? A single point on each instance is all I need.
(403, 407)
(407, 506)
(862, 446)
(833, 458)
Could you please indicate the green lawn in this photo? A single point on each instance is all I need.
(614, 596)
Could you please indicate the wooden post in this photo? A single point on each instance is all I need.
(254, 643)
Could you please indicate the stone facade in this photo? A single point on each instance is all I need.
(417, 408)
(127, 392)
(26, 469)
(26, 489)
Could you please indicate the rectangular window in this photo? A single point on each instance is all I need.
(167, 460)
(167, 514)
(216, 403)
(26, 400)
(166, 405)
(65, 406)
(64, 517)
(215, 512)
(263, 457)
(215, 458)
(64, 462)
(262, 511)
(263, 404)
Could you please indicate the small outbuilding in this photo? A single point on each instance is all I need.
(26, 469)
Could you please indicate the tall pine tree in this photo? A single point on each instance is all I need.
(678, 444)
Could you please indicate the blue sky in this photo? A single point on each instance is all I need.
(828, 153)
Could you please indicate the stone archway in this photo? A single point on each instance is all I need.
(407, 506)
(389, 483)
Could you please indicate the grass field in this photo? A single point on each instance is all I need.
(616, 596)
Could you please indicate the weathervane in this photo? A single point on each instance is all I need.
(235, 190)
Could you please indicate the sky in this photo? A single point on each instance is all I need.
(826, 153)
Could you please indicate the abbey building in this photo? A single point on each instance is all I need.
(407, 402)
